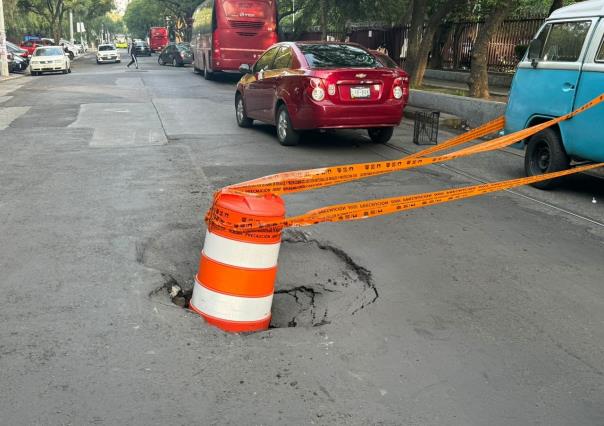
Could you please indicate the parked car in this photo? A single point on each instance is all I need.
(16, 63)
(49, 58)
(142, 48)
(13, 48)
(176, 54)
(107, 53)
(70, 48)
(321, 85)
(562, 70)
(32, 45)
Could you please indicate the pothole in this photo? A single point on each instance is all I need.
(317, 283)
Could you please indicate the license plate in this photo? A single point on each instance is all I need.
(360, 92)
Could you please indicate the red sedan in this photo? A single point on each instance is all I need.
(321, 85)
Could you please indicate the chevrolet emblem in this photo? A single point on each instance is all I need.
(361, 75)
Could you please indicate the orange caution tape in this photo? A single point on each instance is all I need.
(305, 180)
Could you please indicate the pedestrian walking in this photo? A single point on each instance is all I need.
(133, 57)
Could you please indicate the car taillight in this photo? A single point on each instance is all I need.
(399, 88)
(317, 89)
(331, 89)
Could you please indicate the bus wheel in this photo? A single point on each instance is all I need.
(206, 73)
(545, 154)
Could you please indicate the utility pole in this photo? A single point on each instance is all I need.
(3, 55)
(294, 14)
(71, 39)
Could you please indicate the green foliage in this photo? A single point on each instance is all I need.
(47, 17)
(142, 15)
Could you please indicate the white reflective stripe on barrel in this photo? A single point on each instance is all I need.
(231, 308)
(240, 254)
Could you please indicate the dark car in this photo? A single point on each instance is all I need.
(176, 54)
(142, 48)
(17, 51)
(321, 85)
(16, 63)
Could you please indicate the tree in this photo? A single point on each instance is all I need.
(479, 76)
(425, 20)
(53, 11)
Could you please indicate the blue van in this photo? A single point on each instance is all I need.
(562, 70)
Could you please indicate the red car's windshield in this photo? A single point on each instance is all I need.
(338, 56)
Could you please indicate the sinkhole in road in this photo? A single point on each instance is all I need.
(317, 283)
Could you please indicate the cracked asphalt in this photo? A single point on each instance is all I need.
(485, 311)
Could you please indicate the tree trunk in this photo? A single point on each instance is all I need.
(418, 55)
(323, 12)
(436, 61)
(415, 36)
(417, 74)
(556, 4)
(479, 76)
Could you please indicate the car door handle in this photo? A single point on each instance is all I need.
(567, 87)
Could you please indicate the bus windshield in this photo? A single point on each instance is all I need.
(254, 9)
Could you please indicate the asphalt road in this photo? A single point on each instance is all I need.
(483, 311)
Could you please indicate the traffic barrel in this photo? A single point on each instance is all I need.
(235, 284)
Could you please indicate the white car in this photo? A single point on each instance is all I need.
(107, 53)
(49, 58)
(71, 48)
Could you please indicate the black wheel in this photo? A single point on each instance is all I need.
(242, 119)
(174, 63)
(71, 56)
(285, 132)
(381, 134)
(195, 69)
(545, 154)
(65, 71)
(160, 60)
(208, 75)
(98, 62)
(69, 70)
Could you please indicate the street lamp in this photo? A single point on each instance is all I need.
(3, 51)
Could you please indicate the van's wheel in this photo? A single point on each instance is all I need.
(380, 134)
(285, 132)
(242, 119)
(206, 73)
(545, 154)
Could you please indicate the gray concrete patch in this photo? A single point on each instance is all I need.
(10, 114)
(5, 98)
(198, 116)
(121, 124)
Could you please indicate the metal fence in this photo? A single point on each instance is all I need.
(453, 42)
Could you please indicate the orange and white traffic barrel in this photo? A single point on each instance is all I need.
(236, 280)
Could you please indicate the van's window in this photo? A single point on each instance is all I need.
(600, 54)
(562, 42)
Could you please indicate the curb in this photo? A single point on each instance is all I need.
(474, 111)
(11, 77)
